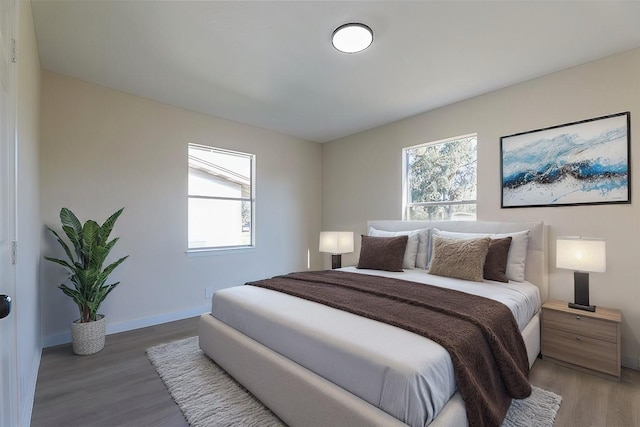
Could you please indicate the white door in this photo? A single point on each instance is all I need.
(8, 338)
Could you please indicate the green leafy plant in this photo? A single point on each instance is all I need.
(91, 246)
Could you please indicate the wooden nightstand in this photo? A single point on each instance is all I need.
(584, 340)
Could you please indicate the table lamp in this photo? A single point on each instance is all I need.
(581, 254)
(336, 243)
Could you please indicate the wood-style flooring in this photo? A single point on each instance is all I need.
(115, 387)
(120, 387)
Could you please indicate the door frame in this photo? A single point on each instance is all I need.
(9, 401)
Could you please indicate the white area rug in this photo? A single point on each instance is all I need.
(208, 397)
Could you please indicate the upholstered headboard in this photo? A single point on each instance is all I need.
(536, 264)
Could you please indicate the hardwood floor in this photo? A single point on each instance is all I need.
(120, 387)
(588, 400)
(115, 387)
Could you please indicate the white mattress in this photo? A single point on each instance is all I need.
(404, 374)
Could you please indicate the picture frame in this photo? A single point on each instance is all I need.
(580, 163)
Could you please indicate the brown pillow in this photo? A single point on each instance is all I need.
(459, 258)
(495, 264)
(382, 253)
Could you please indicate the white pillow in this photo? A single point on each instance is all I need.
(517, 251)
(423, 248)
(412, 252)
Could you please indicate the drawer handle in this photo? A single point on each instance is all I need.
(579, 338)
(578, 317)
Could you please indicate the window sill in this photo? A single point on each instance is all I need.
(195, 253)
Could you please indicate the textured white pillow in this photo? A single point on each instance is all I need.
(412, 253)
(517, 251)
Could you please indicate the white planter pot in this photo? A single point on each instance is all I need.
(88, 338)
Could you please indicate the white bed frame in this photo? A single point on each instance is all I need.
(302, 398)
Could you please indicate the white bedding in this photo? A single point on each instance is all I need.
(404, 374)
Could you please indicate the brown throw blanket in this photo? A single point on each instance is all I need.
(481, 335)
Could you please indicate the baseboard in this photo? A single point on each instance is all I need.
(631, 362)
(28, 390)
(57, 339)
(129, 325)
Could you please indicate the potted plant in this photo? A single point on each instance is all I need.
(91, 246)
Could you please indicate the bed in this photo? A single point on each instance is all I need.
(272, 344)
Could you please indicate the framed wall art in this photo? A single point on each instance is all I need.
(579, 163)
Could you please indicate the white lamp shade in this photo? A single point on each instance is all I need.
(581, 254)
(336, 242)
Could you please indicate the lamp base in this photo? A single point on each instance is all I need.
(581, 292)
(582, 307)
(336, 261)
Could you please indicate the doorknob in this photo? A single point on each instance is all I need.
(5, 306)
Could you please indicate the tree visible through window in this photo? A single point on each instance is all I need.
(440, 180)
(221, 200)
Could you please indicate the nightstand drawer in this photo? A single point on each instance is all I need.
(581, 350)
(580, 325)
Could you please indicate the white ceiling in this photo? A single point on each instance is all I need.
(271, 63)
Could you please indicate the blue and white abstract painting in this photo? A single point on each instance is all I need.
(579, 163)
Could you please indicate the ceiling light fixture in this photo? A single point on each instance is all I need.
(352, 37)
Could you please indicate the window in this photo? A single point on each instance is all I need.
(439, 180)
(221, 198)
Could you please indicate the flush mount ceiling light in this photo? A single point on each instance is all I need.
(352, 37)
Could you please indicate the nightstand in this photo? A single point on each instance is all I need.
(587, 341)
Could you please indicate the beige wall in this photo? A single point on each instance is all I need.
(362, 173)
(28, 212)
(103, 149)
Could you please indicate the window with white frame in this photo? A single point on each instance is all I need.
(221, 198)
(439, 180)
